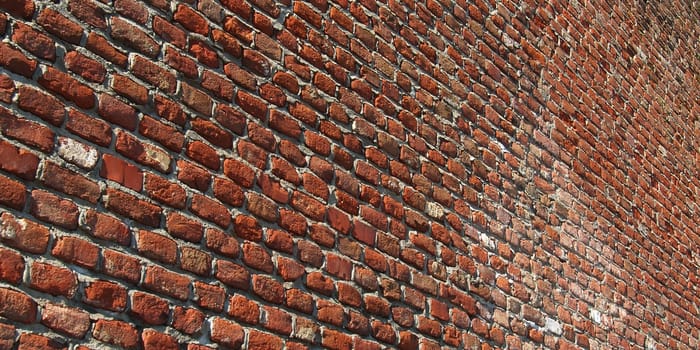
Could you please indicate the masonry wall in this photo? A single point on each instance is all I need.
(349, 174)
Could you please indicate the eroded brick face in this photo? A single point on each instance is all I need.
(432, 174)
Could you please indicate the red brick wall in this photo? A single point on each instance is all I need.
(349, 174)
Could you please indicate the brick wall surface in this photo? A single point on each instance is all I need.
(349, 174)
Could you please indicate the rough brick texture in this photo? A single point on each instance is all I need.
(431, 174)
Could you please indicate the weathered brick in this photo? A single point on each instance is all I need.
(227, 333)
(209, 296)
(52, 209)
(53, 279)
(159, 77)
(187, 320)
(66, 320)
(88, 12)
(115, 111)
(168, 283)
(33, 41)
(106, 295)
(68, 87)
(132, 207)
(76, 251)
(57, 24)
(133, 37)
(232, 274)
(116, 332)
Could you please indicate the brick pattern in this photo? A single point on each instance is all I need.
(349, 174)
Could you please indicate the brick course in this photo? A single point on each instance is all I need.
(349, 175)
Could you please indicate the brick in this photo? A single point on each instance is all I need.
(133, 37)
(187, 320)
(70, 182)
(116, 332)
(247, 228)
(181, 63)
(143, 153)
(277, 320)
(244, 309)
(257, 257)
(77, 153)
(251, 104)
(52, 209)
(130, 89)
(149, 308)
(169, 32)
(165, 191)
(306, 330)
(106, 295)
(320, 283)
(256, 63)
(336, 340)
(310, 253)
(57, 24)
(127, 205)
(159, 77)
(262, 207)
(7, 336)
(232, 275)
(66, 320)
(212, 133)
(11, 266)
(153, 340)
(226, 333)
(339, 267)
(132, 10)
(329, 312)
(103, 48)
(203, 154)
(209, 296)
(169, 110)
(204, 53)
(39, 342)
(15, 61)
(40, 104)
(284, 124)
(293, 222)
(33, 41)
(260, 340)
(168, 283)
(115, 111)
(88, 12)
(7, 88)
(228, 192)
(23, 234)
(310, 207)
(156, 246)
(221, 243)
(164, 134)
(180, 226)
(12, 193)
(68, 87)
(289, 270)
(122, 172)
(89, 128)
(210, 210)
(23, 8)
(76, 251)
(17, 306)
(383, 332)
(193, 176)
(229, 44)
(53, 279)
(191, 20)
(267, 288)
